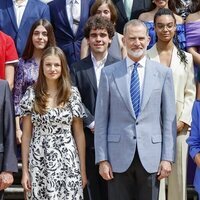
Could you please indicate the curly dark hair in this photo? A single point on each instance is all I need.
(97, 22)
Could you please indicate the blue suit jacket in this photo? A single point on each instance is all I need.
(194, 140)
(34, 10)
(65, 37)
(138, 7)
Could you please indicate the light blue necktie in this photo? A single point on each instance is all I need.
(128, 8)
(135, 89)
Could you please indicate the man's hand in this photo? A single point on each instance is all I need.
(164, 169)
(197, 159)
(105, 170)
(6, 179)
(92, 129)
(181, 125)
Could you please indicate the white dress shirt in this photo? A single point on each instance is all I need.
(19, 10)
(141, 71)
(98, 66)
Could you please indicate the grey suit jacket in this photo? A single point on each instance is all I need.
(117, 131)
(8, 159)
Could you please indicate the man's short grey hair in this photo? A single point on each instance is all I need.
(135, 22)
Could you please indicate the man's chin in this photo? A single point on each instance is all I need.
(136, 54)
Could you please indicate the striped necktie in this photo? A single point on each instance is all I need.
(135, 90)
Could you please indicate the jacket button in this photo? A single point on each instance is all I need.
(134, 137)
(136, 123)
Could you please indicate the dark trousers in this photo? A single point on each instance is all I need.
(96, 188)
(1, 195)
(134, 184)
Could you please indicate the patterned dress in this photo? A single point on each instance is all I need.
(26, 75)
(53, 158)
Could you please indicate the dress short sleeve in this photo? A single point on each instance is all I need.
(26, 103)
(76, 104)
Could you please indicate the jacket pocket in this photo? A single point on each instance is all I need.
(156, 138)
(114, 138)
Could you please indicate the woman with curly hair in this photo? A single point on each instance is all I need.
(167, 52)
(148, 17)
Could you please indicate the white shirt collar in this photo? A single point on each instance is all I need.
(99, 62)
(22, 4)
(69, 1)
(130, 62)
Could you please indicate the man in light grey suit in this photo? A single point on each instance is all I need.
(135, 139)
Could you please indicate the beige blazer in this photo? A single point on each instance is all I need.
(184, 84)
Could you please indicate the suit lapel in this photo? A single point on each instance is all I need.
(176, 60)
(148, 84)
(109, 60)
(90, 70)
(61, 8)
(121, 79)
(12, 13)
(82, 13)
(120, 5)
(27, 10)
(91, 73)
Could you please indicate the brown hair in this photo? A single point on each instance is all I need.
(28, 51)
(111, 6)
(97, 22)
(64, 82)
(171, 5)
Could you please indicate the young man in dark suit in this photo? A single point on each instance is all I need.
(85, 75)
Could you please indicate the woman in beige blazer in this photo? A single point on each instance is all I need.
(166, 52)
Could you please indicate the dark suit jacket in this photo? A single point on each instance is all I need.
(65, 37)
(34, 10)
(84, 78)
(138, 7)
(8, 159)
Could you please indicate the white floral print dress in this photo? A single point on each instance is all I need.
(53, 158)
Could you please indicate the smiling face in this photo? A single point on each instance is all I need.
(40, 37)
(165, 28)
(52, 68)
(136, 41)
(99, 41)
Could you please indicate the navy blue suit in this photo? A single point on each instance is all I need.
(65, 37)
(34, 10)
(138, 7)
